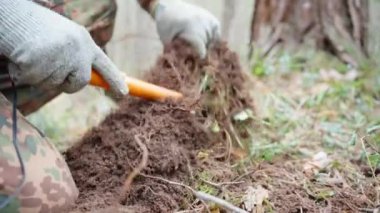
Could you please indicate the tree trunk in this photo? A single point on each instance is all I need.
(228, 15)
(336, 26)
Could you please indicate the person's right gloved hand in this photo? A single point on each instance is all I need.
(50, 51)
(180, 19)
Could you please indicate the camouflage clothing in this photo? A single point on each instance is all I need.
(49, 186)
(97, 17)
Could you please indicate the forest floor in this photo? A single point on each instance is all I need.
(321, 135)
(299, 133)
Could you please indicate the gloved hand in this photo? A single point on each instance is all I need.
(178, 19)
(50, 51)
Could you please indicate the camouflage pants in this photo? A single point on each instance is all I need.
(49, 186)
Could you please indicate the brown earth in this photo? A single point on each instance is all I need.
(192, 138)
(173, 132)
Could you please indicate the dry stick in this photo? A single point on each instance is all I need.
(229, 141)
(172, 183)
(201, 195)
(189, 168)
(233, 131)
(136, 171)
(209, 198)
(245, 175)
(376, 210)
(220, 185)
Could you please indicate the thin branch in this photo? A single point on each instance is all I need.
(168, 181)
(219, 185)
(209, 198)
(201, 195)
(245, 175)
(233, 131)
(229, 142)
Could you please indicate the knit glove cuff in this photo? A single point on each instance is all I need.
(18, 23)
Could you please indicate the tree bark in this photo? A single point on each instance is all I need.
(228, 15)
(336, 26)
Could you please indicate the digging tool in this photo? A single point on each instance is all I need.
(138, 88)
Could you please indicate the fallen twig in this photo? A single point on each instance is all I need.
(136, 171)
(229, 142)
(235, 134)
(367, 210)
(220, 185)
(245, 175)
(233, 131)
(202, 196)
(220, 202)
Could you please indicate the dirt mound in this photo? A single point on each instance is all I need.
(172, 132)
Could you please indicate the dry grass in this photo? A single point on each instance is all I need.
(305, 108)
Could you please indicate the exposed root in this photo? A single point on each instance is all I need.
(136, 171)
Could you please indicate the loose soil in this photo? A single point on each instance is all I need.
(193, 141)
(173, 132)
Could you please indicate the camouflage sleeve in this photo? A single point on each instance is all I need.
(97, 17)
(146, 4)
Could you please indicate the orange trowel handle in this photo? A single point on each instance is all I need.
(139, 88)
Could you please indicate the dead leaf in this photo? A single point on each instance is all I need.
(243, 115)
(319, 162)
(203, 155)
(239, 154)
(254, 198)
(215, 210)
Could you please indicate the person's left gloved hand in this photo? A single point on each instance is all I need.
(49, 51)
(178, 19)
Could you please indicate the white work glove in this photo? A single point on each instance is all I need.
(50, 51)
(178, 19)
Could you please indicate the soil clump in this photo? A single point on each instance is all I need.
(174, 133)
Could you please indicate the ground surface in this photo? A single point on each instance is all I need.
(307, 140)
